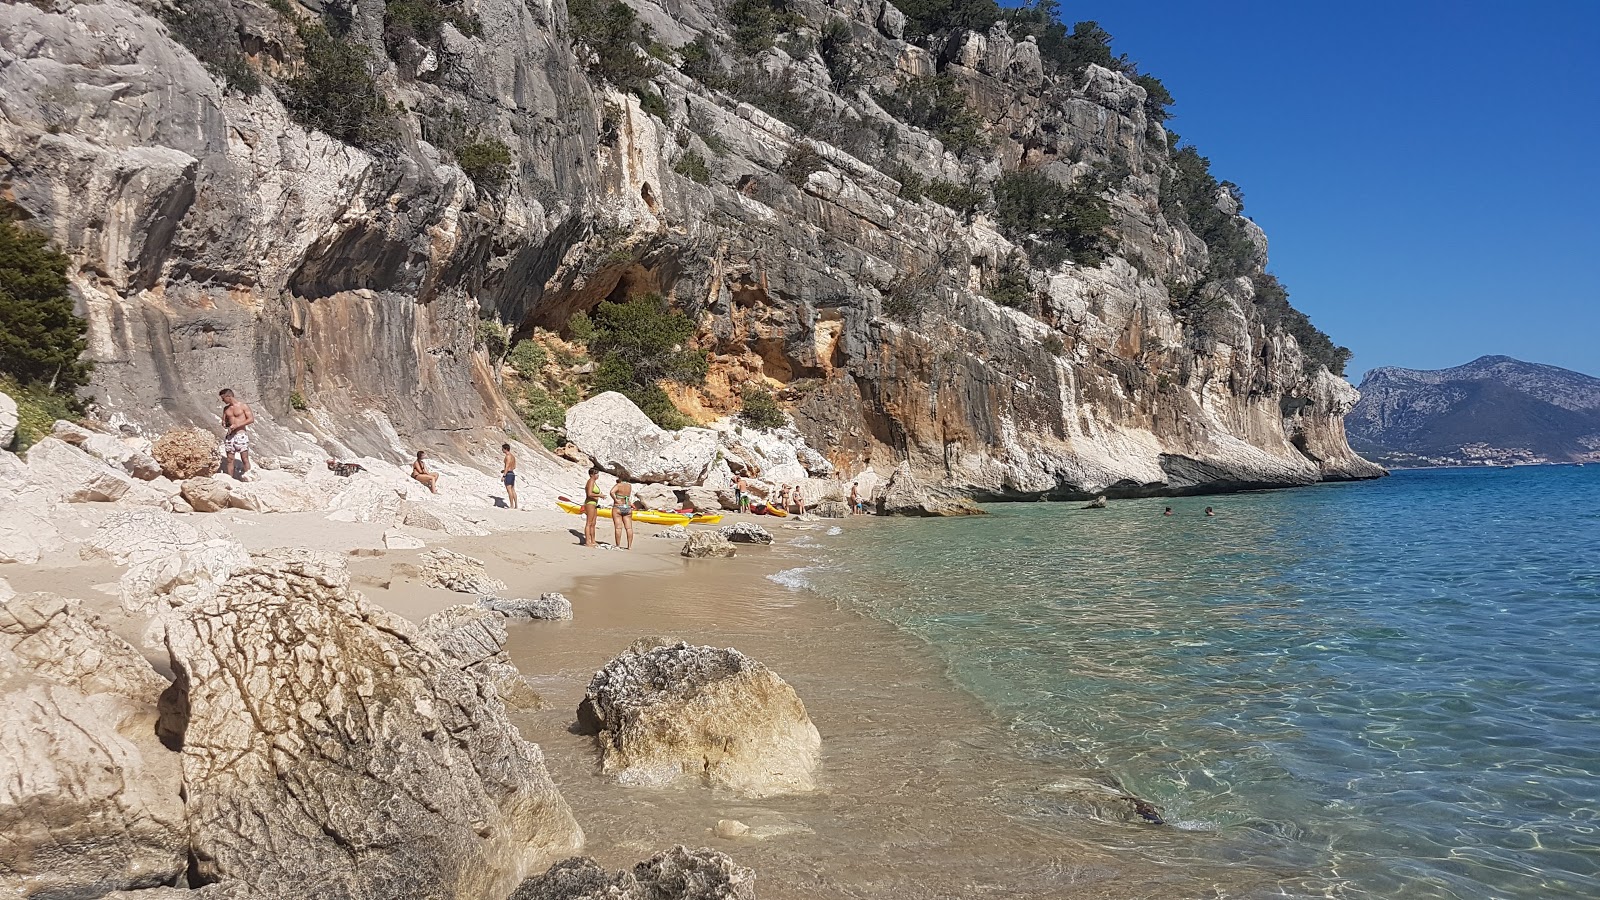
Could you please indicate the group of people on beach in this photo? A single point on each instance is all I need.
(621, 510)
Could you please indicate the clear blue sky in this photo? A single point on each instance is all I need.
(1428, 171)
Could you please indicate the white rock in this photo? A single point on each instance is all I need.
(8, 420)
(623, 441)
(65, 472)
(132, 457)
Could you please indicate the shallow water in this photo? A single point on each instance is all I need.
(1383, 689)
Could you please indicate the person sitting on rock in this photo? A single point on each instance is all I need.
(419, 471)
(622, 513)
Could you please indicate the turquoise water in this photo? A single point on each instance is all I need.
(1384, 689)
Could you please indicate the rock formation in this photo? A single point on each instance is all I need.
(553, 606)
(746, 533)
(187, 453)
(708, 545)
(678, 874)
(8, 420)
(451, 571)
(216, 239)
(336, 735)
(668, 712)
(475, 638)
(90, 800)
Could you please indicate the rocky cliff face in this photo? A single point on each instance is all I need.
(216, 242)
(1493, 410)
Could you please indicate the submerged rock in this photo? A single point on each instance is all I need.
(677, 874)
(333, 750)
(90, 800)
(708, 545)
(1097, 503)
(681, 711)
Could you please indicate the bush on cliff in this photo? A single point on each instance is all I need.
(937, 105)
(759, 410)
(486, 161)
(1189, 194)
(614, 35)
(208, 30)
(334, 92)
(1273, 310)
(639, 344)
(1055, 223)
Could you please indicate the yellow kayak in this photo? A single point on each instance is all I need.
(648, 516)
(706, 519)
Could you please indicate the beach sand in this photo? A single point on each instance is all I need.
(921, 794)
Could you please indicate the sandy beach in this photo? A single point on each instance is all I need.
(920, 793)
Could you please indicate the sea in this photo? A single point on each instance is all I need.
(1378, 689)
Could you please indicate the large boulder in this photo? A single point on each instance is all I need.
(624, 442)
(70, 474)
(8, 420)
(669, 712)
(90, 800)
(207, 493)
(906, 495)
(333, 750)
(474, 638)
(678, 874)
(24, 538)
(187, 453)
(110, 449)
(708, 545)
(434, 517)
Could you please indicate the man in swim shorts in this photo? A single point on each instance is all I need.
(236, 417)
(508, 474)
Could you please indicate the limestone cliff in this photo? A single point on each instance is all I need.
(218, 242)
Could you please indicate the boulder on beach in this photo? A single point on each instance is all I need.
(680, 711)
(552, 606)
(70, 474)
(187, 453)
(169, 561)
(332, 750)
(906, 495)
(746, 533)
(678, 874)
(90, 800)
(708, 545)
(110, 449)
(475, 638)
(624, 442)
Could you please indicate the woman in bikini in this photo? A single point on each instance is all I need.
(622, 512)
(419, 471)
(591, 507)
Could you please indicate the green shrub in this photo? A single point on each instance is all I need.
(297, 401)
(38, 408)
(486, 162)
(1054, 345)
(1157, 98)
(1010, 285)
(654, 104)
(641, 343)
(937, 105)
(913, 186)
(799, 163)
(692, 165)
(613, 33)
(963, 198)
(1053, 222)
(904, 297)
(540, 409)
(847, 65)
(757, 24)
(932, 17)
(758, 410)
(702, 60)
(422, 21)
(528, 358)
(580, 328)
(42, 340)
(334, 92)
(491, 336)
(207, 28)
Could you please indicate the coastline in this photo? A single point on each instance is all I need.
(921, 791)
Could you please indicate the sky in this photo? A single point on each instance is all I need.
(1428, 172)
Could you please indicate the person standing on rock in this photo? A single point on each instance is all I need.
(622, 513)
(508, 474)
(591, 506)
(236, 417)
(419, 471)
(855, 500)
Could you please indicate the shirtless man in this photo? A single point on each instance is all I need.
(508, 474)
(236, 417)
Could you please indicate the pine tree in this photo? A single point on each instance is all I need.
(41, 339)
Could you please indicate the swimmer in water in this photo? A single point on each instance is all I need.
(1209, 513)
(1168, 512)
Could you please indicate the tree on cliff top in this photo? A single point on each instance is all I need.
(41, 339)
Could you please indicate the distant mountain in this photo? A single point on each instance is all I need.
(1492, 410)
